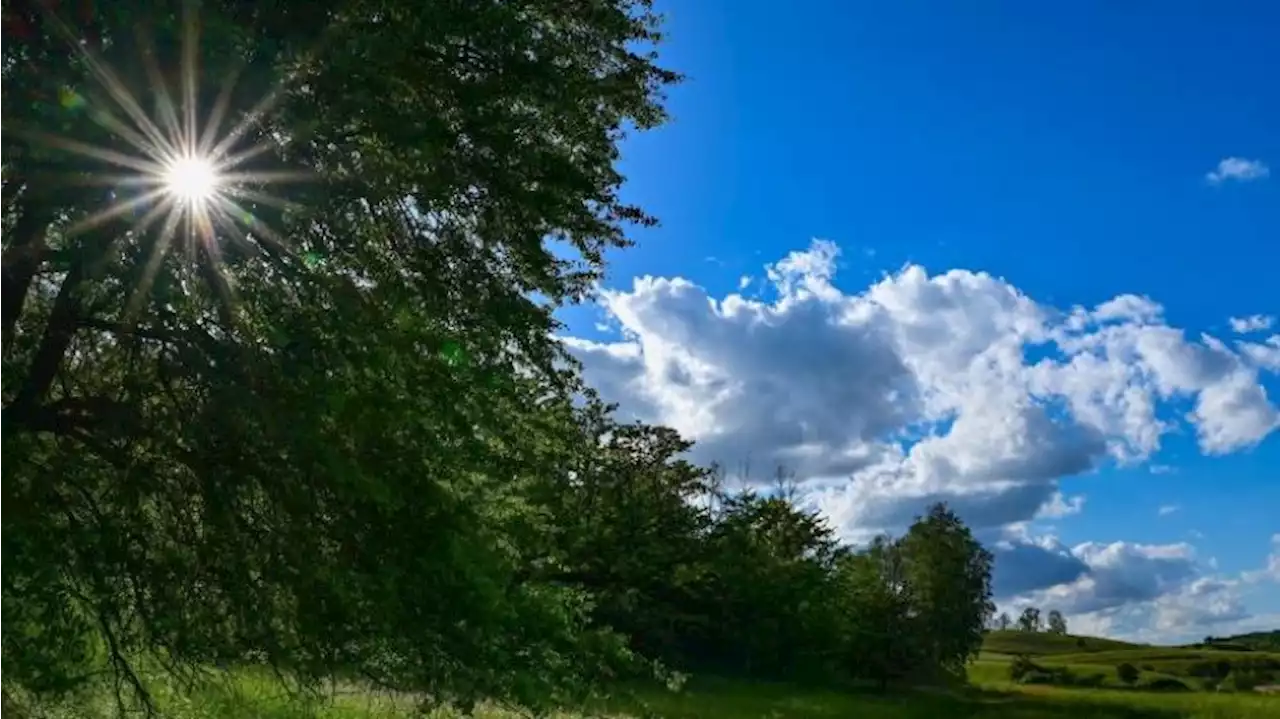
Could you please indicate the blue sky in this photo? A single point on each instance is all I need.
(1068, 152)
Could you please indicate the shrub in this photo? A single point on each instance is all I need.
(1021, 666)
(1166, 684)
(1032, 673)
(1127, 673)
(1038, 677)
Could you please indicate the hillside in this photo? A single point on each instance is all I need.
(1253, 641)
(1197, 667)
(1046, 644)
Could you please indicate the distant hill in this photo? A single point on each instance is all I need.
(1045, 644)
(1254, 641)
(1194, 665)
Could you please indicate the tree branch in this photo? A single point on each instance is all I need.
(58, 333)
(22, 259)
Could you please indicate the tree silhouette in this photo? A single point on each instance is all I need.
(1029, 620)
(1057, 623)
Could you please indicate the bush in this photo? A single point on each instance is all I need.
(1021, 666)
(1242, 680)
(1038, 677)
(1166, 684)
(1127, 673)
(1028, 672)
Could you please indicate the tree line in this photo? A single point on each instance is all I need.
(326, 426)
(1029, 620)
(746, 582)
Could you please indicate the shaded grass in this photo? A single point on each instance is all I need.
(250, 695)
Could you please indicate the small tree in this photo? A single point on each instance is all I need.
(1029, 620)
(1003, 622)
(1127, 673)
(1057, 622)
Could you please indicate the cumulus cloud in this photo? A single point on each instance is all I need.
(1167, 509)
(1264, 355)
(1118, 574)
(1206, 605)
(1271, 571)
(1238, 169)
(1060, 506)
(921, 387)
(1159, 593)
(1251, 323)
(1028, 564)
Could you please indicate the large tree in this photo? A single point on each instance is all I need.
(294, 420)
(950, 576)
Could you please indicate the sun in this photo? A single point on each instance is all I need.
(183, 183)
(191, 179)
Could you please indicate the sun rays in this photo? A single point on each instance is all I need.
(177, 177)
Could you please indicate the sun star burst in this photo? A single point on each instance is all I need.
(185, 174)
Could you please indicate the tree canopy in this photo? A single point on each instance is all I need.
(317, 418)
(291, 435)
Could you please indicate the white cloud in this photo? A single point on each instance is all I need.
(1238, 169)
(954, 386)
(1167, 509)
(1154, 593)
(1060, 506)
(1119, 574)
(1265, 356)
(1251, 323)
(1148, 592)
(1270, 572)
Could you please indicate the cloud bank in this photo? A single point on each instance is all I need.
(953, 386)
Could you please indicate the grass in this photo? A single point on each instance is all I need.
(1177, 662)
(1086, 656)
(993, 698)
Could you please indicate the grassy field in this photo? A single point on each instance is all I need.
(1086, 656)
(992, 698)
(992, 694)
